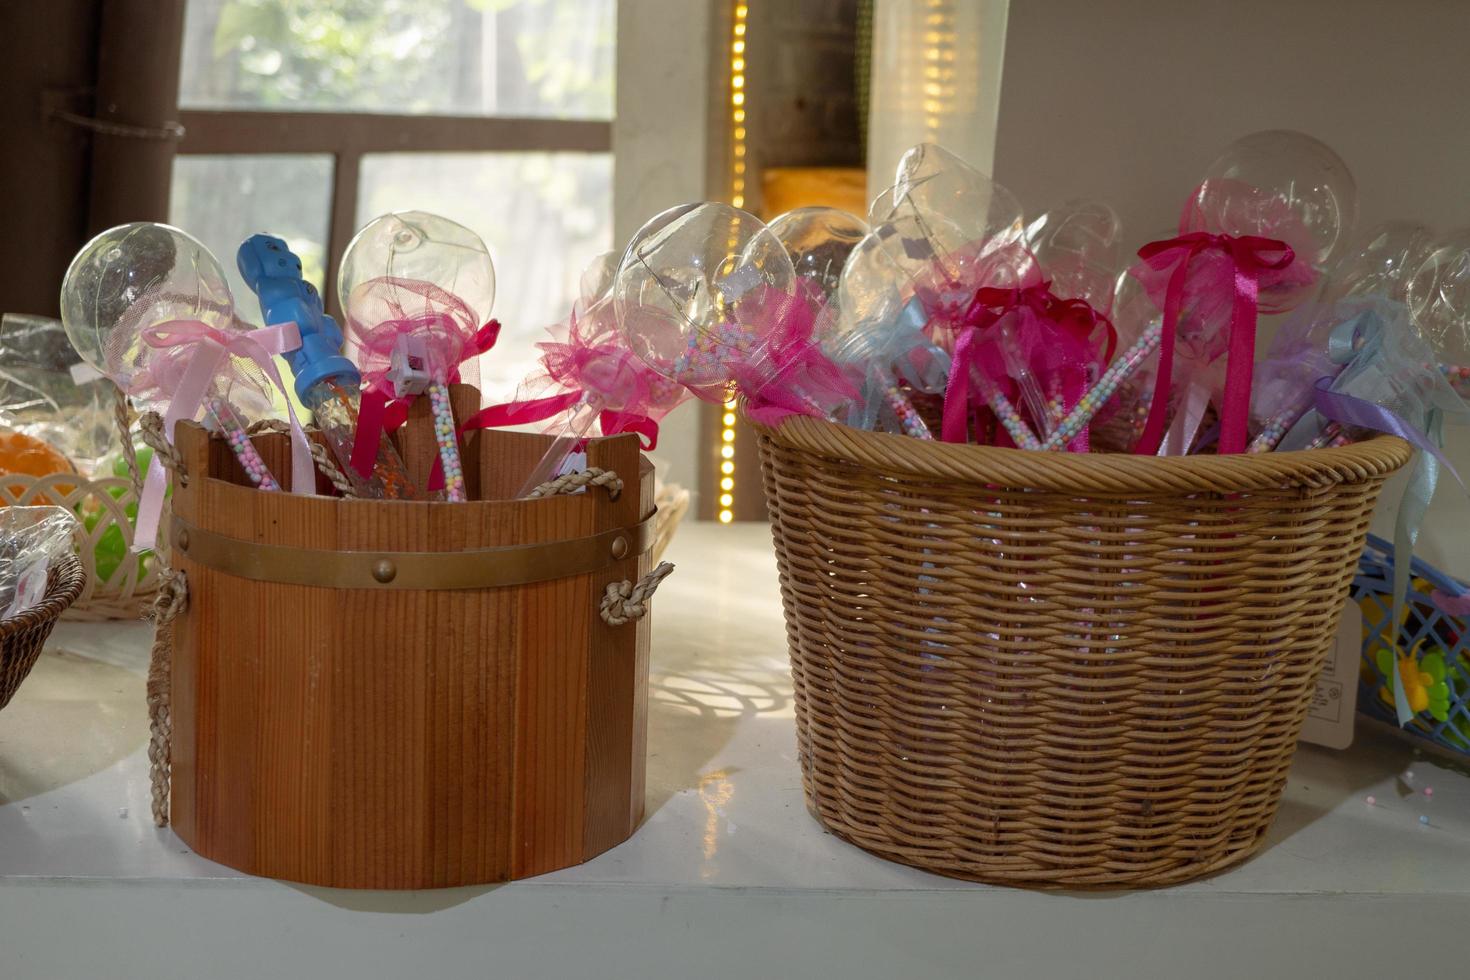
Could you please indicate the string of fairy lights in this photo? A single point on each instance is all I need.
(738, 20)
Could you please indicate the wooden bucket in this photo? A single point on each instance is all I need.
(385, 694)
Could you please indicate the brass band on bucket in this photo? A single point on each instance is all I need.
(480, 568)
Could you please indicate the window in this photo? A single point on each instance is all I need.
(308, 119)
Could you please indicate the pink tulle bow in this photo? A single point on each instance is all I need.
(784, 372)
(387, 312)
(592, 367)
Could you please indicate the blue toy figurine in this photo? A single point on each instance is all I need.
(326, 382)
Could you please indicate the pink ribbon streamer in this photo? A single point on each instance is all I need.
(527, 411)
(191, 354)
(1248, 258)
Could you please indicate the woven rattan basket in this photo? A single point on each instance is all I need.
(22, 636)
(1057, 670)
(103, 503)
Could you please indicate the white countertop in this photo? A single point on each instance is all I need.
(729, 876)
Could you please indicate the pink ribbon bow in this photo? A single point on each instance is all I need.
(386, 313)
(189, 358)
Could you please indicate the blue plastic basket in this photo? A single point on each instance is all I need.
(1435, 641)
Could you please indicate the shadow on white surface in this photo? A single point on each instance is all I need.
(72, 717)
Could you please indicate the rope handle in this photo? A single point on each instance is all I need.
(625, 602)
(320, 455)
(592, 476)
(150, 427)
(173, 595)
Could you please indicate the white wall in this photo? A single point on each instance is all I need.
(660, 151)
(1127, 101)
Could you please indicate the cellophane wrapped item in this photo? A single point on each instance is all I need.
(31, 539)
(41, 397)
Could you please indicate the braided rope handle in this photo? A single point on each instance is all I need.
(624, 602)
(173, 594)
(150, 427)
(122, 415)
(319, 454)
(590, 477)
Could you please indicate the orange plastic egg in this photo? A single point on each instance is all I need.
(20, 453)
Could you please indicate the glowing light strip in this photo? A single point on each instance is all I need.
(939, 61)
(738, 21)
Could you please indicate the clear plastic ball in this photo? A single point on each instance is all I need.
(953, 204)
(420, 267)
(423, 247)
(1439, 298)
(1383, 263)
(691, 286)
(1284, 185)
(132, 277)
(1079, 247)
(819, 240)
(933, 234)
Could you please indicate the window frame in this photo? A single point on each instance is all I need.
(348, 136)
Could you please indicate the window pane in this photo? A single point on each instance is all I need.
(546, 58)
(223, 200)
(543, 216)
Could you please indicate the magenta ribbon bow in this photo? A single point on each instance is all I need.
(1075, 318)
(190, 357)
(1249, 256)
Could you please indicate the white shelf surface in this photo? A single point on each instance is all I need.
(729, 875)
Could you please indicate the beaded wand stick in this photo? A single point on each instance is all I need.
(1097, 396)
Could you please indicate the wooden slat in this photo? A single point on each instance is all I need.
(551, 693)
(615, 679)
(190, 628)
(239, 132)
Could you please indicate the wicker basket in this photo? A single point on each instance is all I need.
(1056, 670)
(22, 636)
(129, 589)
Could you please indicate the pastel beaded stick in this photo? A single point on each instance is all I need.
(415, 288)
